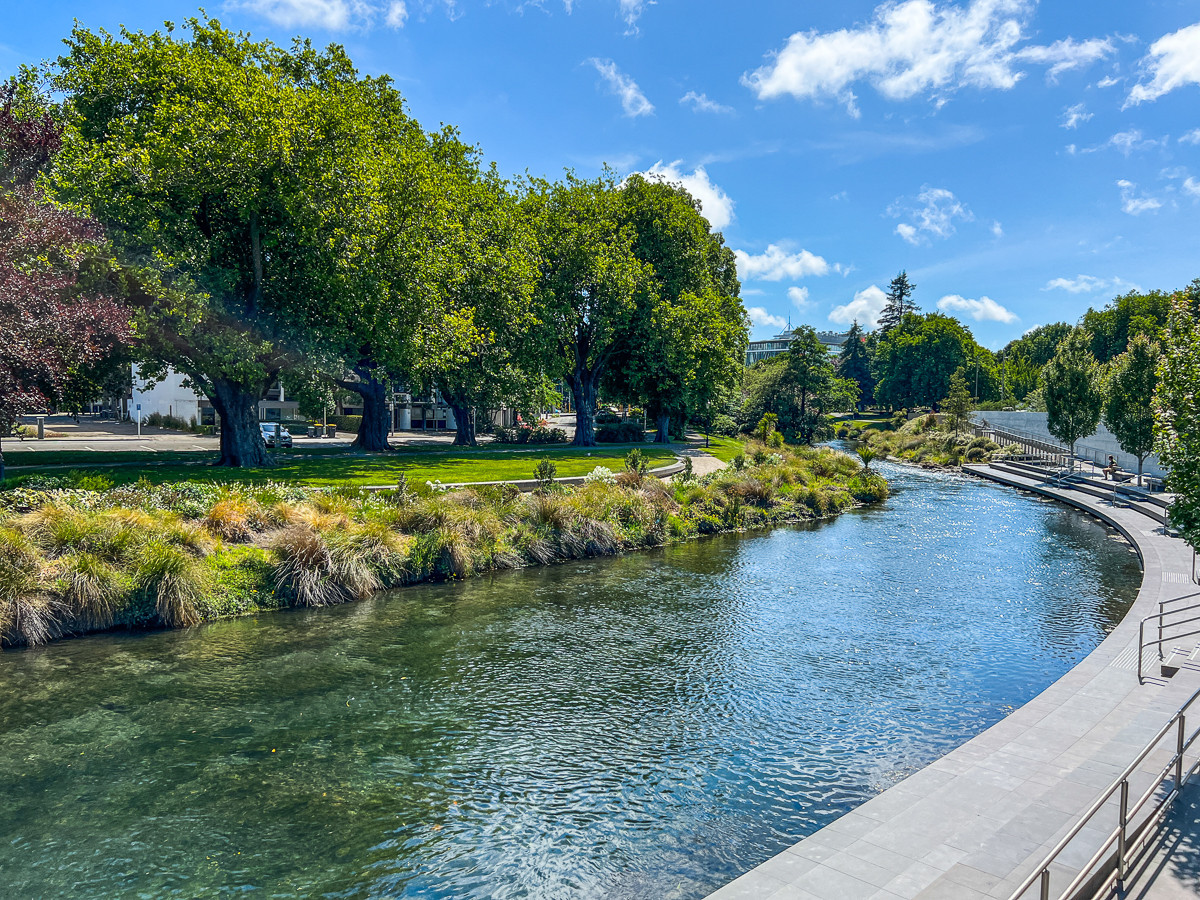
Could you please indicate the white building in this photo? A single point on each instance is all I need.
(169, 397)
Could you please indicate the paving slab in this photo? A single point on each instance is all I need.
(978, 821)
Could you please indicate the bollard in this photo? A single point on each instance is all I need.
(41, 420)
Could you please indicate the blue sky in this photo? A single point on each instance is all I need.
(1021, 161)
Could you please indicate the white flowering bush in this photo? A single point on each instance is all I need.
(600, 475)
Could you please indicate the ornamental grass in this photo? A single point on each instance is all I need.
(140, 556)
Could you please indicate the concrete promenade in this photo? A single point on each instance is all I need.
(976, 822)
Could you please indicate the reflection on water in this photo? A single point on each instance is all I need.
(647, 727)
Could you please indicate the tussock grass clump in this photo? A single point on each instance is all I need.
(173, 581)
(90, 588)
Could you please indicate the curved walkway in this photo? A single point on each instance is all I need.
(974, 823)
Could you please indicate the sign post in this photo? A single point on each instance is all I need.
(139, 419)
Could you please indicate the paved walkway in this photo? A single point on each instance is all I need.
(1173, 872)
(975, 823)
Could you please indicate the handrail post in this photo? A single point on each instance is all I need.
(1122, 837)
(1141, 644)
(1179, 753)
(1162, 605)
(1045, 884)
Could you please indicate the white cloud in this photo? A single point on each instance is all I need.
(1065, 55)
(631, 11)
(701, 103)
(1174, 61)
(1191, 187)
(397, 14)
(799, 297)
(1106, 81)
(1078, 285)
(1133, 204)
(1073, 115)
(917, 47)
(997, 230)
(715, 204)
(760, 316)
(1128, 141)
(777, 264)
(1192, 137)
(333, 15)
(985, 309)
(864, 308)
(1089, 284)
(633, 101)
(934, 217)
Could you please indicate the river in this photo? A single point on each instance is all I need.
(648, 726)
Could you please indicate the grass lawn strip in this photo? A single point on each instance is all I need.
(349, 468)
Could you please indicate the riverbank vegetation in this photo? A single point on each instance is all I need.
(74, 560)
(931, 441)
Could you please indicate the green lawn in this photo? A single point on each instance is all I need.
(725, 448)
(347, 467)
(87, 458)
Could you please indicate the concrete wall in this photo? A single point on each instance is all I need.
(1098, 447)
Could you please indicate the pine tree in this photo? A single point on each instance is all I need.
(899, 302)
(854, 363)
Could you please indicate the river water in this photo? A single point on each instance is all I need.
(642, 727)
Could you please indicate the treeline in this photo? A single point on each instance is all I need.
(263, 213)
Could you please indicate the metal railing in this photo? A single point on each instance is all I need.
(1161, 618)
(1130, 833)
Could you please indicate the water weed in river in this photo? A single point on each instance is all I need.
(74, 560)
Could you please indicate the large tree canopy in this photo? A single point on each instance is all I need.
(588, 284)
(50, 324)
(914, 361)
(219, 167)
(685, 340)
(1129, 398)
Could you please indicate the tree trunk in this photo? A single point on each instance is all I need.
(1140, 459)
(464, 424)
(373, 430)
(241, 440)
(1, 462)
(664, 428)
(583, 389)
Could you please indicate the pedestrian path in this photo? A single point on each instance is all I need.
(974, 824)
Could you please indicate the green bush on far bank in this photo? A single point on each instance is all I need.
(927, 440)
(74, 560)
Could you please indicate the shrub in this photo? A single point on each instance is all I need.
(636, 461)
(775, 441)
(544, 473)
(688, 472)
(600, 475)
(346, 423)
(739, 461)
(766, 426)
(725, 425)
(604, 417)
(623, 433)
(537, 434)
(976, 454)
(93, 481)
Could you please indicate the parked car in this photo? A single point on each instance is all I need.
(268, 434)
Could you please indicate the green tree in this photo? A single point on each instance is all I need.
(811, 376)
(1177, 410)
(685, 342)
(914, 361)
(492, 357)
(1129, 398)
(1024, 357)
(959, 403)
(1112, 328)
(217, 165)
(588, 283)
(1071, 386)
(899, 302)
(854, 363)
